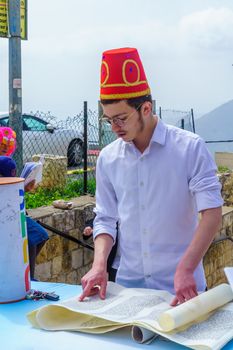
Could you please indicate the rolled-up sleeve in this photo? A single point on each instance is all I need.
(106, 203)
(203, 181)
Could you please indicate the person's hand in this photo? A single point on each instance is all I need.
(94, 282)
(30, 186)
(88, 231)
(185, 287)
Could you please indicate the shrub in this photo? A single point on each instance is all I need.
(44, 196)
(223, 169)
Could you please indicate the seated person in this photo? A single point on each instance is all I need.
(37, 235)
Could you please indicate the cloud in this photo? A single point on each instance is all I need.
(97, 37)
(210, 29)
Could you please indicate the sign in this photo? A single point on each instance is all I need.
(4, 19)
(23, 19)
(16, 83)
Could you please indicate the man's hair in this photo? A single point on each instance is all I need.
(133, 102)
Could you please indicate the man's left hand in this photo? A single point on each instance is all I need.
(30, 186)
(185, 287)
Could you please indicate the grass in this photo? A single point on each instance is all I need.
(46, 196)
(223, 169)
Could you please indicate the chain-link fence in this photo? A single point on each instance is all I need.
(181, 119)
(71, 146)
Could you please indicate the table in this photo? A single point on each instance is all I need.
(16, 333)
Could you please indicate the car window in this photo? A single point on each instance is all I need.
(34, 124)
(4, 121)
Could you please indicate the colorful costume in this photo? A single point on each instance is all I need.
(7, 141)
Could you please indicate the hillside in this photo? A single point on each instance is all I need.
(217, 124)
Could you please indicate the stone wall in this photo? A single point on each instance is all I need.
(220, 253)
(226, 180)
(62, 260)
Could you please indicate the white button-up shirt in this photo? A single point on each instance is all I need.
(156, 195)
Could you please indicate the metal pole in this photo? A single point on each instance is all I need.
(193, 122)
(182, 123)
(15, 82)
(85, 149)
(154, 106)
(160, 112)
(100, 112)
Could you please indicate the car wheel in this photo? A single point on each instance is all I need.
(75, 153)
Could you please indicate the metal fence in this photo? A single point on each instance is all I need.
(79, 138)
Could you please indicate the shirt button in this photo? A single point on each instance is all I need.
(144, 232)
(145, 254)
(141, 183)
(148, 276)
(141, 159)
(143, 207)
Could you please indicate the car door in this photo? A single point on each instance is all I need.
(36, 138)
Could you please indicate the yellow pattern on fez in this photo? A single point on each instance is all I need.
(126, 82)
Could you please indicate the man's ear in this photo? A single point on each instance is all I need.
(147, 108)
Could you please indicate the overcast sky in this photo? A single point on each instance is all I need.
(186, 47)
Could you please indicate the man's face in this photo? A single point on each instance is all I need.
(126, 121)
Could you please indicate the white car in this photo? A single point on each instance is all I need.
(40, 137)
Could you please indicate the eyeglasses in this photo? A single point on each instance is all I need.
(119, 121)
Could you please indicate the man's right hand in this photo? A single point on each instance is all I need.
(94, 282)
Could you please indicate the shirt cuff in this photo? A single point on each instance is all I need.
(208, 199)
(99, 230)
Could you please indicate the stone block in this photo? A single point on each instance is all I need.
(42, 256)
(43, 271)
(226, 220)
(54, 247)
(76, 233)
(59, 221)
(66, 262)
(69, 220)
(61, 278)
(72, 278)
(53, 279)
(73, 246)
(65, 246)
(47, 220)
(88, 212)
(223, 232)
(79, 219)
(54, 170)
(82, 271)
(64, 220)
(77, 258)
(88, 257)
(57, 265)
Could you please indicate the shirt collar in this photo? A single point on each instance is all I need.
(159, 134)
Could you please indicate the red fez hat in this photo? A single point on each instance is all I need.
(122, 75)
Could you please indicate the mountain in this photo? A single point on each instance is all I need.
(217, 125)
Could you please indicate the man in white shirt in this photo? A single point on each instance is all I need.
(154, 179)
